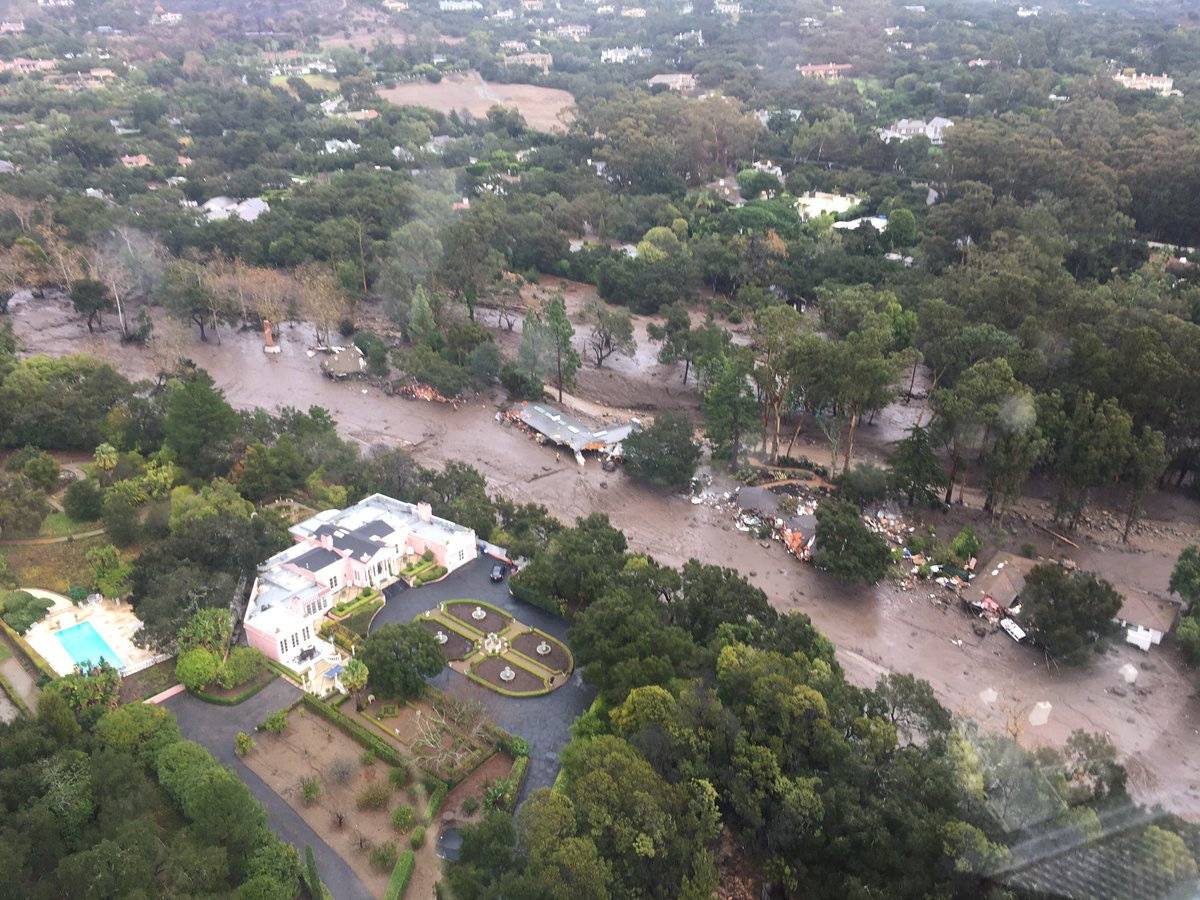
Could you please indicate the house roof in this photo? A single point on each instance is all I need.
(1147, 610)
(571, 431)
(1002, 579)
(315, 559)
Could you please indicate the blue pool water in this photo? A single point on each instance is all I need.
(84, 644)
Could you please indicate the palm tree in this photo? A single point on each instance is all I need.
(354, 679)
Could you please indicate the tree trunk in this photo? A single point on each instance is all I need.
(849, 442)
(953, 475)
(795, 433)
(121, 314)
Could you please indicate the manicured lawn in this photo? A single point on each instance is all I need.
(5, 651)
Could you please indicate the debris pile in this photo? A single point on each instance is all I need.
(412, 389)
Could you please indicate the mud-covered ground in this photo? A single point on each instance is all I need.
(1154, 723)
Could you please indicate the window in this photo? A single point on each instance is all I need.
(333, 581)
(462, 554)
(307, 634)
(295, 641)
(283, 647)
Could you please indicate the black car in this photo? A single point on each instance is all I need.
(497, 573)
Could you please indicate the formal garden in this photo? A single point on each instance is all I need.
(376, 784)
(490, 647)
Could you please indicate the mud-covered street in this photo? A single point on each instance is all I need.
(1154, 723)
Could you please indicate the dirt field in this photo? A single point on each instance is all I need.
(876, 630)
(546, 109)
(308, 748)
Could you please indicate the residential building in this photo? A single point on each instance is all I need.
(980, 63)
(24, 66)
(219, 208)
(459, 5)
(395, 5)
(1163, 84)
(162, 17)
(1027, 12)
(633, 12)
(767, 167)
(622, 55)
(1146, 618)
(16, 26)
(728, 8)
(532, 5)
(574, 32)
(335, 145)
(728, 191)
(695, 36)
(514, 46)
(137, 161)
(907, 129)
(569, 430)
(504, 15)
(820, 203)
(541, 61)
(824, 71)
(879, 223)
(675, 81)
(337, 553)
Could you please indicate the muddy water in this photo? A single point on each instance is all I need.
(876, 630)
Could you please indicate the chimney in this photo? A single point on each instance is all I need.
(424, 512)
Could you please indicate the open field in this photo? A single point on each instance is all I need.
(546, 109)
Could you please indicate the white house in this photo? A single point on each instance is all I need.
(1163, 84)
(333, 145)
(879, 223)
(907, 129)
(820, 203)
(337, 553)
(219, 208)
(621, 55)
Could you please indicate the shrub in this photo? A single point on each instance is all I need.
(242, 743)
(374, 796)
(398, 883)
(403, 818)
(77, 593)
(383, 857)
(341, 771)
(515, 745)
(399, 776)
(367, 758)
(965, 545)
(418, 837)
(388, 710)
(83, 501)
(470, 805)
(310, 790)
(1029, 551)
(21, 610)
(243, 664)
(197, 668)
(276, 722)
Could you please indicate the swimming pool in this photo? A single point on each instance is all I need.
(84, 645)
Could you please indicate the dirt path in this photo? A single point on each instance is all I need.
(878, 629)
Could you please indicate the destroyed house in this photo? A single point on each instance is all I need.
(570, 431)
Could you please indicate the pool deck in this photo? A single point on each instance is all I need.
(114, 621)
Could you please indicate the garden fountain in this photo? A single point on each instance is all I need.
(441, 637)
(543, 649)
(507, 674)
(493, 644)
(479, 614)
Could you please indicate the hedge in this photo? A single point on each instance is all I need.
(32, 655)
(436, 799)
(514, 782)
(430, 575)
(398, 883)
(236, 698)
(18, 701)
(381, 748)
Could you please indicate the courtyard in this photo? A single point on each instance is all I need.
(544, 721)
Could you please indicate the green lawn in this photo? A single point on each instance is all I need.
(59, 524)
(5, 650)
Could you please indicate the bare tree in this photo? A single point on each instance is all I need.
(322, 301)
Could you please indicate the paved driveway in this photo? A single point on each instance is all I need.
(215, 726)
(543, 721)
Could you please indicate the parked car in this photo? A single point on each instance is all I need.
(497, 573)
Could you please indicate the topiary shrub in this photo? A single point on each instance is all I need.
(197, 668)
(310, 790)
(374, 796)
(418, 837)
(403, 818)
(383, 857)
(276, 722)
(242, 743)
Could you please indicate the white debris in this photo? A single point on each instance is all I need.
(1040, 714)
